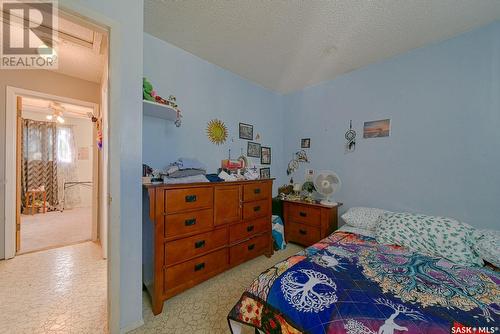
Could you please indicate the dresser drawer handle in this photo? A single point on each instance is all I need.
(256, 208)
(303, 232)
(190, 198)
(250, 228)
(199, 244)
(250, 247)
(303, 214)
(256, 191)
(199, 266)
(190, 222)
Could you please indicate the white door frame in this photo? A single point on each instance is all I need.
(114, 93)
(114, 98)
(10, 155)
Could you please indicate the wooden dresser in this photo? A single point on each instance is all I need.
(192, 232)
(307, 223)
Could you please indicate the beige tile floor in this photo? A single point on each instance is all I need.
(204, 308)
(53, 229)
(61, 290)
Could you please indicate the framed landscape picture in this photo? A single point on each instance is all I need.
(253, 149)
(377, 129)
(246, 131)
(265, 173)
(265, 155)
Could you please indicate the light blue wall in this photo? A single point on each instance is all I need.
(205, 91)
(443, 155)
(125, 111)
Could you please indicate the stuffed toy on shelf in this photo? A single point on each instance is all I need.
(147, 90)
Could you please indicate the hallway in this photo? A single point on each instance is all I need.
(61, 290)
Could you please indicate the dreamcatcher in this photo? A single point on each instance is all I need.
(293, 165)
(350, 137)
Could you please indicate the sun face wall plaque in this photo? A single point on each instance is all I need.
(217, 131)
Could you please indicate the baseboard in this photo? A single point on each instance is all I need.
(132, 326)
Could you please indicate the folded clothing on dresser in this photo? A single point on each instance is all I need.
(185, 167)
(187, 179)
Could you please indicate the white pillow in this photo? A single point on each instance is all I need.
(487, 246)
(366, 218)
(357, 230)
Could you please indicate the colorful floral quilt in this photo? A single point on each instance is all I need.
(349, 283)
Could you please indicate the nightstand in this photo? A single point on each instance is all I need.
(307, 223)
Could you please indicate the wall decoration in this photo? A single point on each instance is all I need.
(293, 165)
(375, 129)
(253, 150)
(265, 155)
(149, 94)
(265, 173)
(350, 137)
(99, 134)
(217, 131)
(246, 131)
(305, 143)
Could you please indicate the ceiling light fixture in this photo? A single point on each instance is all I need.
(57, 112)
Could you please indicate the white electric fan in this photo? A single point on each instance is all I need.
(327, 183)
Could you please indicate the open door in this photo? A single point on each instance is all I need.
(19, 133)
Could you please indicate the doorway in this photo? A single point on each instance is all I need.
(76, 91)
(56, 166)
(61, 175)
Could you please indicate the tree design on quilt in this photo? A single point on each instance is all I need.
(262, 284)
(301, 289)
(328, 261)
(389, 326)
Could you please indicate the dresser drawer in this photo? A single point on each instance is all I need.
(188, 199)
(247, 229)
(186, 248)
(304, 214)
(252, 210)
(249, 249)
(256, 191)
(188, 222)
(196, 269)
(302, 234)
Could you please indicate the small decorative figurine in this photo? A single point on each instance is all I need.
(147, 90)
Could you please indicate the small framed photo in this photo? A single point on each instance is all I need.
(253, 149)
(246, 131)
(377, 129)
(305, 143)
(265, 155)
(265, 173)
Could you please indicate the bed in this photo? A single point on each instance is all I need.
(349, 283)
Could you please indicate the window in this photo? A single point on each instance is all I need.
(64, 151)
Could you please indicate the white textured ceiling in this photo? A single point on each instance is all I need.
(286, 45)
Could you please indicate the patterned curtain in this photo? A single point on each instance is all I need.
(39, 155)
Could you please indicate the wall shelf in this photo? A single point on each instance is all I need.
(154, 109)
